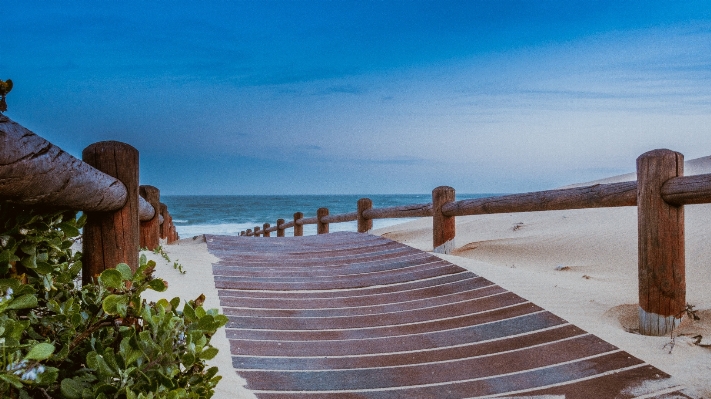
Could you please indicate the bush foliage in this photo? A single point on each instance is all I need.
(59, 339)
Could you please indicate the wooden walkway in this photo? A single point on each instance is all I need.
(348, 315)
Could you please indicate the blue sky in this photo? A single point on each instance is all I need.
(309, 97)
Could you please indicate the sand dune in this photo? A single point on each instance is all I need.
(582, 266)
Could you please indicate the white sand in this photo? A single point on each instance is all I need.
(197, 263)
(597, 290)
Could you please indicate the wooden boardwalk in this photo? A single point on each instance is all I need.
(348, 315)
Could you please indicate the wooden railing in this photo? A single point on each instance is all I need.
(660, 193)
(104, 185)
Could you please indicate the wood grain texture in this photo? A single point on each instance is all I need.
(687, 190)
(298, 228)
(341, 218)
(662, 281)
(396, 333)
(596, 196)
(145, 210)
(112, 237)
(402, 211)
(280, 227)
(443, 226)
(321, 225)
(163, 208)
(266, 231)
(150, 229)
(34, 171)
(364, 224)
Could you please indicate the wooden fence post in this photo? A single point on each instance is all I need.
(321, 227)
(280, 231)
(364, 225)
(257, 231)
(264, 228)
(111, 238)
(662, 281)
(249, 233)
(164, 226)
(443, 227)
(298, 228)
(150, 234)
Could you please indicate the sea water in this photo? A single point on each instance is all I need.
(230, 214)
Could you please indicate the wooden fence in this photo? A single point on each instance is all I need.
(660, 193)
(121, 216)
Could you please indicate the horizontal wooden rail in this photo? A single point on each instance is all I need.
(687, 190)
(34, 171)
(304, 221)
(344, 217)
(403, 211)
(597, 196)
(287, 225)
(145, 210)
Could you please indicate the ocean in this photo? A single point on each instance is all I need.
(230, 214)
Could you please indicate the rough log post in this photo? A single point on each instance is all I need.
(364, 225)
(150, 234)
(257, 232)
(249, 233)
(662, 281)
(164, 226)
(169, 238)
(298, 228)
(443, 230)
(280, 231)
(264, 228)
(111, 238)
(321, 226)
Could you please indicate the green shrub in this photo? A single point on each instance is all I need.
(61, 340)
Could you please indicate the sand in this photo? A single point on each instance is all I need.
(197, 262)
(580, 264)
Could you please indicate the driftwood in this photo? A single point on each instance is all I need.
(34, 171)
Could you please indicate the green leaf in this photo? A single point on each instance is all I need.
(68, 229)
(175, 302)
(157, 285)
(111, 278)
(71, 389)
(189, 313)
(125, 271)
(115, 304)
(40, 351)
(12, 380)
(188, 359)
(209, 353)
(23, 302)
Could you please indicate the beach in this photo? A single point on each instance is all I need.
(580, 265)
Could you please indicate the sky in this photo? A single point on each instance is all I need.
(364, 97)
